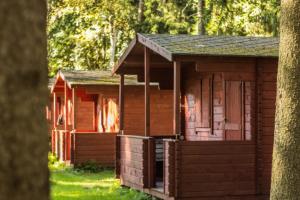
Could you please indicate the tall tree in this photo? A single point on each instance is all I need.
(201, 18)
(286, 160)
(141, 11)
(23, 96)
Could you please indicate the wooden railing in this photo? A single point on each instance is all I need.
(134, 161)
(93, 147)
(202, 169)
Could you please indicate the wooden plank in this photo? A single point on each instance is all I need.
(176, 103)
(147, 90)
(121, 103)
(54, 109)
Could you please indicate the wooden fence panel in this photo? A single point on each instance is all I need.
(96, 147)
(211, 169)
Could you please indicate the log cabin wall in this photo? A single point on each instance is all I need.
(134, 161)
(259, 111)
(213, 170)
(98, 148)
(266, 97)
(161, 108)
(219, 99)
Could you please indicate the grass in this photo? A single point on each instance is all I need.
(70, 184)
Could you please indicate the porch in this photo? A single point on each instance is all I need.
(191, 169)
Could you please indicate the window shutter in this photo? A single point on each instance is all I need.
(204, 103)
(234, 110)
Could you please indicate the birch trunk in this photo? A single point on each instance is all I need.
(286, 152)
(141, 11)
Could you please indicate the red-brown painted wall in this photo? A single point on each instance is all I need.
(91, 147)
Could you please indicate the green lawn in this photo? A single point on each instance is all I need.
(67, 184)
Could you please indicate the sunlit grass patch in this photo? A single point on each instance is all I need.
(67, 184)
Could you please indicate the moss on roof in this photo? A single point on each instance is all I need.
(215, 45)
(97, 77)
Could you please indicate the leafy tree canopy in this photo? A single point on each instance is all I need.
(91, 34)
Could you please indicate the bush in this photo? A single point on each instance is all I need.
(90, 166)
(54, 163)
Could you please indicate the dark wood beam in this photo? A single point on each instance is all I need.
(121, 104)
(147, 90)
(176, 103)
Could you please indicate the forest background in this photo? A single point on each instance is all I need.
(92, 34)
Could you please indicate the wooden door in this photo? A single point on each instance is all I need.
(234, 109)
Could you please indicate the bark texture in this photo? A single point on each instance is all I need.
(201, 17)
(23, 96)
(141, 11)
(286, 153)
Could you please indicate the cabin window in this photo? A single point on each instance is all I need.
(107, 115)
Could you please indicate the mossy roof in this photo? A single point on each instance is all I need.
(96, 77)
(170, 46)
(212, 45)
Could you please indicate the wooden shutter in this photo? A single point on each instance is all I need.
(234, 110)
(204, 105)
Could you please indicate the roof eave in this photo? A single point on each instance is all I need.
(155, 47)
(124, 55)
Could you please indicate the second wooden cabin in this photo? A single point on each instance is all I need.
(85, 114)
(224, 91)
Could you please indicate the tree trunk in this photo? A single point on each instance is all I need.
(23, 97)
(141, 11)
(201, 17)
(286, 159)
(113, 44)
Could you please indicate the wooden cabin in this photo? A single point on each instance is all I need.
(224, 90)
(85, 114)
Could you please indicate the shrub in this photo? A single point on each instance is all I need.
(90, 166)
(54, 163)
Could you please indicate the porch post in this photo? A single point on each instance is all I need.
(121, 103)
(73, 109)
(176, 102)
(147, 90)
(54, 110)
(66, 107)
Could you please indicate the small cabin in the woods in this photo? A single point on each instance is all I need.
(85, 114)
(224, 90)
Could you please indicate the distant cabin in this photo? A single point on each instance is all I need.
(85, 114)
(224, 90)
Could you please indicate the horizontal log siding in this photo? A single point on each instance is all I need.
(97, 147)
(216, 169)
(267, 75)
(169, 167)
(133, 161)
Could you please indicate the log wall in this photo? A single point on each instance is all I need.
(266, 97)
(135, 161)
(96, 147)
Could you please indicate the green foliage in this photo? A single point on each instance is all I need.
(73, 185)
(244, 17)
(90, 167)
(92, 34)
(54, 163)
